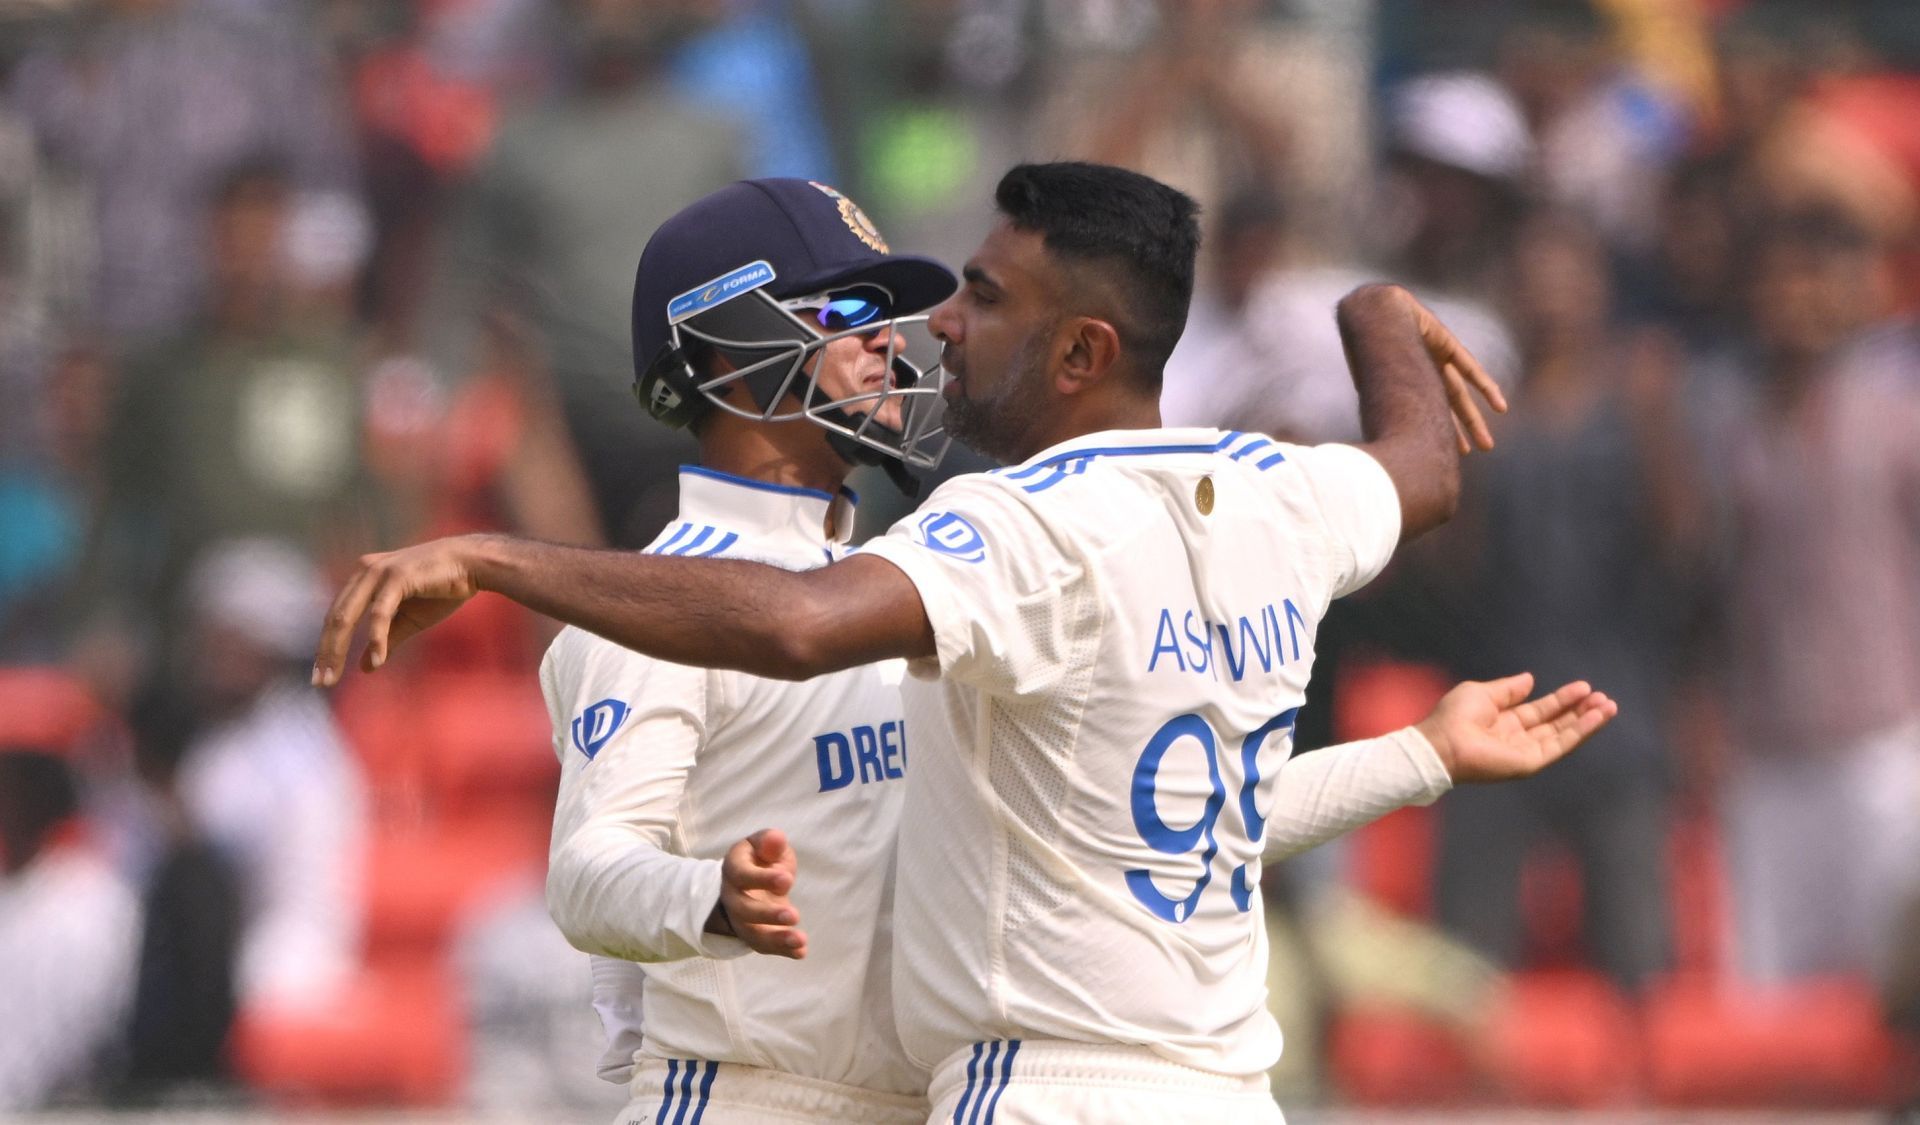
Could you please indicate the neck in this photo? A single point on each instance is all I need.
(1092, 414)
(792, 453)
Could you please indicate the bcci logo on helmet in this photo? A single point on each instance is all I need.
(856, 219)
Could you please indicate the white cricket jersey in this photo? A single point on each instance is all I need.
(1124, 625)
(664, 767)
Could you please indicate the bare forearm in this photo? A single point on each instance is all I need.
(1403, 407)
(711, 613)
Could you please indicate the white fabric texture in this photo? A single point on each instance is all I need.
(70, 941)
(1328, 792)
(664, 767)
(1050, 1083)
(1124, 627)
(693, 1090)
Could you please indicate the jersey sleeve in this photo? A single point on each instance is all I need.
(627, 729)
(1325, 793)
(1359, 507)
(997, 586)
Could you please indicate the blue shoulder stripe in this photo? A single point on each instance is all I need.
(1075, 461)
(1249, 447)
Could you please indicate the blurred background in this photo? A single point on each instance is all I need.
(285, 281)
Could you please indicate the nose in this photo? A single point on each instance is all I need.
(880, 339)
(944, 322)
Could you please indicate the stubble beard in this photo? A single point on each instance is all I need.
(1000, 426)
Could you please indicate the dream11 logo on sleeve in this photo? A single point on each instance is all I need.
(952, 535)
(594, 726)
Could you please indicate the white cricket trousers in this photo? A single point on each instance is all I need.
(1052, 1082)
(698, 1092)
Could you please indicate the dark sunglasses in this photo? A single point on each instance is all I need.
(841, 309)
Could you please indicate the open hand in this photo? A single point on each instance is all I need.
(1491, 732)
(400, 593)
(1459, 371)
(755, 878)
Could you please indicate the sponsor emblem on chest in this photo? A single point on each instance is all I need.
(864, 754)
(594, 726)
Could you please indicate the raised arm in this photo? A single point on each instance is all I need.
(712, 613)
(1415, 425)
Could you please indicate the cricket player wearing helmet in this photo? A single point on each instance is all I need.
(766, 317)
(1107, 640)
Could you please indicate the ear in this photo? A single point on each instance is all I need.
(1088, 348)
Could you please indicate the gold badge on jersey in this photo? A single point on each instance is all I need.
(1203, 496)
(855, 218)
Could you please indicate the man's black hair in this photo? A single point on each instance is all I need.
(1135, 229)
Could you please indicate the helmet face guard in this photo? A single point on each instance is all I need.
(772, 347)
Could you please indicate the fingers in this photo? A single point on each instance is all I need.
(770, 847)
(1577, 725)
(750, 876)
(760, 910)
(387, 596)
(1482, 382)
(337, 635)
(776, 941)
(1509, 691)
(1467, 419)
(1548, 708)
(755, 878)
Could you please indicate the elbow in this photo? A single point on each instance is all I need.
(798, 645)
(565, 903)
(1367, 295)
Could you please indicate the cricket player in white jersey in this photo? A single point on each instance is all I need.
(669, 771)
(1109, 641)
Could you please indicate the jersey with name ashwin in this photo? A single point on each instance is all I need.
(1124, 627)
(664, 767)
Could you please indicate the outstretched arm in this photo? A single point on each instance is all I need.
(712, 613)
(1477, 732)
(1415, 425)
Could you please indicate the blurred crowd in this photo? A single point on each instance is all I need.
(285, 282)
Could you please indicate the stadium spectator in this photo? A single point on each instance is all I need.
(267, 780)
(50, 483)
(1571, 547)
(552, 225)
(1602, 133)
(151, 102)
(1821, 654)
(69, 923)
(249, 423)
(1220, 98)
(531, 1003)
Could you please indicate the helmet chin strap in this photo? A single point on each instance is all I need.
(859, 453)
